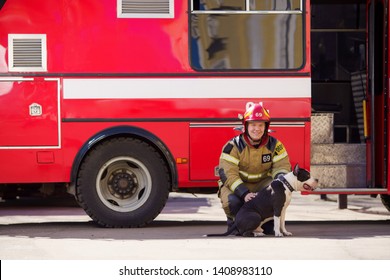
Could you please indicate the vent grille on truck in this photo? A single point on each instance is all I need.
(145, 8)
(27, 52)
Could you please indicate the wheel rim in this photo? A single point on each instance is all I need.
(123, 184)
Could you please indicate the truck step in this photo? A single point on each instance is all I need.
(338, 153)
(322, 128)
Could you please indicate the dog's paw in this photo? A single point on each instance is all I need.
(278, 234)
(258, 234)
(286, 233)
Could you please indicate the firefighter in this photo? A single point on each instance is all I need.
(249, 162)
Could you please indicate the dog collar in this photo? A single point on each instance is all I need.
(286, 183)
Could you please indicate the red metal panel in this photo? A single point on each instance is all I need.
(387, 87)
(206, 145)
(86, 36)
(205, 149)
(29, 113)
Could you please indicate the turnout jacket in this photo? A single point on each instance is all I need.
(245, 168)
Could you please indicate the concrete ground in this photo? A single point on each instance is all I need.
(302, 208)
(202, 207)
(60, 230)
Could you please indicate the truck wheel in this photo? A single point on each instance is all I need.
(123, 182)
(386, 200)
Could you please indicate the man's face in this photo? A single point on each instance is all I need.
(256, 130)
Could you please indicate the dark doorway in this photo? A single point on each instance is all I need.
(338, 53)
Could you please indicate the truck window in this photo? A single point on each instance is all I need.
(246, 35)
(2, 2)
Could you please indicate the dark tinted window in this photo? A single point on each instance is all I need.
(275, 5)
(338, 42)
(2, 2)
(331, 15)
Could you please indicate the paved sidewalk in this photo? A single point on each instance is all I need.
(302, 208)
(201, 207)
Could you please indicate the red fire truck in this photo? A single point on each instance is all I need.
(123, 101)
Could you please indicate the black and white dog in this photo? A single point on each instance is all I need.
(271, 202)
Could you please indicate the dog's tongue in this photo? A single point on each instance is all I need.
(307, 187)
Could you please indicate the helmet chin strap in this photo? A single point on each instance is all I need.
(253, 141)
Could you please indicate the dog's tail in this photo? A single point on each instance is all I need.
(229, 231)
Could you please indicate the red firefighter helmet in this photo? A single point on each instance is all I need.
(256, 112)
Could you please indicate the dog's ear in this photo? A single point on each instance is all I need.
(296, 169)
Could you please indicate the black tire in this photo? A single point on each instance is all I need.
(123, 182)
(386, 201)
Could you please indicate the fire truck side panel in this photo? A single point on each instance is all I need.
(169, 119)
(199, 114)
(205, 138)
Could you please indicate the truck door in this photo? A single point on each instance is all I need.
(376, 101)
(29, 115)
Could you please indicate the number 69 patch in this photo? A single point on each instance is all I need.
(266, 158)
